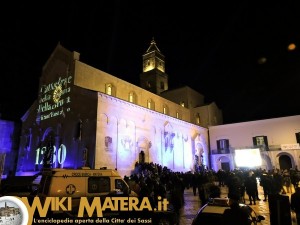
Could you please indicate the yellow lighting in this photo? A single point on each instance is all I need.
(291, 47)
(148, 68)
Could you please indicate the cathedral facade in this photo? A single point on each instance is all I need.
(85, 117)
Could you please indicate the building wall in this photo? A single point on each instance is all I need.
(280, 133)
(66, 126)
(210, 115)
(87, 127)
(93, 79)
(185, 94)
(125, 129)
(95, 129)
(9, 142)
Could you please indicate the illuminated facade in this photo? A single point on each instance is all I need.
(9, 146)
(86, 117)
(277, 139)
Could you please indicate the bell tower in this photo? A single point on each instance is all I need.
(154, 78)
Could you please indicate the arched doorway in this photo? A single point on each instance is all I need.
(143, 145)
(285, 162)
(224, 163)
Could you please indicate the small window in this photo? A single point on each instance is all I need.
(261, 141)
(198, 118)
(182, 104)
(132, 97)
(148, 84)
(162, 85)
(298, 137)
(150, 104)
(98, 184)
(165, 110)
(223, 146)
(178, 116)
(110, 90)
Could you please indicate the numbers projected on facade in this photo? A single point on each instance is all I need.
(59, 155)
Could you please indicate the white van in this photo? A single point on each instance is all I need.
(85, 182)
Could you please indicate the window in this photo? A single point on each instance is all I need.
(223, 146)
(178, 115)
(165, 110)
(198, 118)
(120, 184)
(298, 137)
(148, 84)
(98, 184)
(132, 97)
(182, 104)
(162, 85)
(150, 104)
(110, 90)
(261, 141)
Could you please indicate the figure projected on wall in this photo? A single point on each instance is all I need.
(199, 153)
(127, 143)
(108, 144)
(169, 136)
(169, 143)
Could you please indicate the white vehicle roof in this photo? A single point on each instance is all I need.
(86, 172)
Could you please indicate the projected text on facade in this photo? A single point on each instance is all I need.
(59, 156)
(55, 98)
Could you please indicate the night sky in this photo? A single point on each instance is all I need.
(235, 54)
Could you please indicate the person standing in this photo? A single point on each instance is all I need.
(251, 188)
(266, 183)
(235, 214)
(295, 203)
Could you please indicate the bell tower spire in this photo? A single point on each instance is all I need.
(154, 78)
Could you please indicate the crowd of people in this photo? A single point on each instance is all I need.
(152, 180)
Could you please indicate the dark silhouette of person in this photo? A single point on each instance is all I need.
(266, 183)
(295, 203)
(235, 215)
(251, 188)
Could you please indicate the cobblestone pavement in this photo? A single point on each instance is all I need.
(192, 205)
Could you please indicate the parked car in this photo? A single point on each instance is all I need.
(212, 212)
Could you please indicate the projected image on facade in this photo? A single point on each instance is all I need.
(101, 127)
(55, 98)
